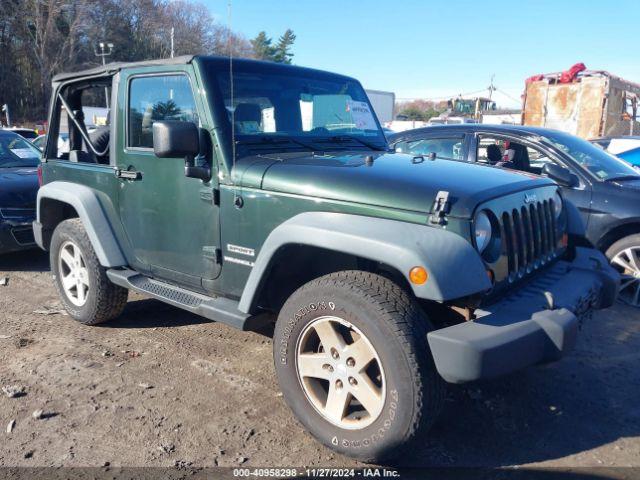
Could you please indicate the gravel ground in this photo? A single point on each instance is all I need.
(161, 387)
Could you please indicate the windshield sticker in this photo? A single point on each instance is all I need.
(24, 153)
(361, 115)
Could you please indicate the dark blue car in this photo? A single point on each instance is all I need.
(19, 161)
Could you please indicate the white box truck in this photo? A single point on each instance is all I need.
(383, 104)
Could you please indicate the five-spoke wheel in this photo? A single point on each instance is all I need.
(340, 372)
(85, 291)
(73, 273)
(353, 362)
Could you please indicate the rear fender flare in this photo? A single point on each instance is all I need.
(85, 202)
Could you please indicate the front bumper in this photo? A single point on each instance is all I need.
(16, 235)
(521, 329)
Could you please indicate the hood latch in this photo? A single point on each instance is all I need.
(441, 207)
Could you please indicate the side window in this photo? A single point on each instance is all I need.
(490, 150)
(157, 98)
(511, 154)
(537, 159)
(446, 148)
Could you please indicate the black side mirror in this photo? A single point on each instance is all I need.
(174, 139)
(561, 175)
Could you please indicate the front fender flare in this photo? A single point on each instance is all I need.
(455, 269)
(85, 202)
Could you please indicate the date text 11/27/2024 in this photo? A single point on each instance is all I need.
(316, 472)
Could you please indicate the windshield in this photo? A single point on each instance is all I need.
(598, 162)
(15, 151)
(300, 111)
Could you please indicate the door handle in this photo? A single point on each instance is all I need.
(128, 174)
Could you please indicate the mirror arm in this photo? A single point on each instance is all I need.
(192, 171)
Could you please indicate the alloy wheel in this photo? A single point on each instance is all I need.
(627, 262)
(340, 373)
(73, 272)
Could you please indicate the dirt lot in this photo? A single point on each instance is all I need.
(162, 387)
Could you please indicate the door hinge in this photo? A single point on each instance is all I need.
(212, 253)
(441, 207)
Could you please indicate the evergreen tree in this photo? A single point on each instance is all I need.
(282, 53)
(262, 48)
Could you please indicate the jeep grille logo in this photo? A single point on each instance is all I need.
(530, 198)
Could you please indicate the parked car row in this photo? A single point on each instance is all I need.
(19, 160)
(604, 192)
(626, 148)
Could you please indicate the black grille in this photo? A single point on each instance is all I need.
(530, 237)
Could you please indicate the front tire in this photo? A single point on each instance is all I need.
(624, 256)
(353, 363)
(82, 283)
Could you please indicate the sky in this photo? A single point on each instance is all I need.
(437, 49)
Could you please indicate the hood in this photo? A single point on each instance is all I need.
(390, 180)
(18, 187)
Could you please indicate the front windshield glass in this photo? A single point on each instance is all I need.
(15, 151)
(310, 112)
(598, 162)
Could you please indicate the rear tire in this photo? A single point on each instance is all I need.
(624, 256)
(392, 371)
(82, 283)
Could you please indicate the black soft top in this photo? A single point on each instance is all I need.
(216, 62)
(111, 68)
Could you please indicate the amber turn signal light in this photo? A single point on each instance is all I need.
(418, 275)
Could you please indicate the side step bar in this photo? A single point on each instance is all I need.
(220, 309)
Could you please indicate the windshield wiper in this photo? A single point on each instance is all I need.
(347, 138)
(623, 177)
(261, 140)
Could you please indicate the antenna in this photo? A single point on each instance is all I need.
(237, 198)
(233, 109)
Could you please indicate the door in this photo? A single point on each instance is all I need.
(170, 220)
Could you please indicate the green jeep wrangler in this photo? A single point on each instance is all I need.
(233, 189)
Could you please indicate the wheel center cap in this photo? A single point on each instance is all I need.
(341, 368)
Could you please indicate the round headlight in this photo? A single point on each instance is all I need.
(557, 205)
(482, 231)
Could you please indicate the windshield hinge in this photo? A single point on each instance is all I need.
(441, 207)
(210, 196)
(212, 253)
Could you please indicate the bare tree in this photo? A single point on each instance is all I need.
(52, 29)
(39, 38)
